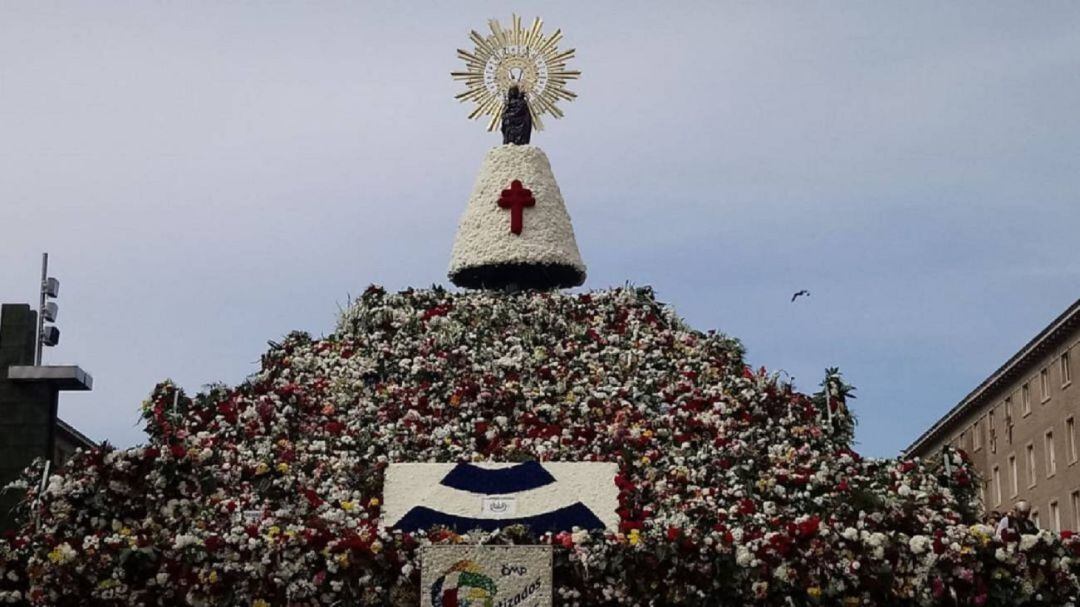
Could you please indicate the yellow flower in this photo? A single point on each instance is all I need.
(374, 502)
(347, 506)
(273, 531)
(376, 546)
(634, 537)
(262, 468)
(283, 467)
(814, 592)
(852, 601)
(645, 460)
(260, 603)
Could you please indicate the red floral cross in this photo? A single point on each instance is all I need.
(516, 199)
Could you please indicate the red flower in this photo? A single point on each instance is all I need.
(781, 543)
(312, 498)
(213, 543)
(809, 527)
(938, 588)
(565, 540)
(673, 533)
(178, 451)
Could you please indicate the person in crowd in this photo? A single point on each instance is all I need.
(1016, 523)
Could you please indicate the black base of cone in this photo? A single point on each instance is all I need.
(518, 276)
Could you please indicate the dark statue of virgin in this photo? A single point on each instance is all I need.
(516, 120)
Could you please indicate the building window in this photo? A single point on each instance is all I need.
(1032, 479)
(1035, 517)
(997, 486)
(1008, 420)
(1070, 439)
(976, 436)
(1025, 399)
(994, 432)
(1051, 456)
(1014, 476)
(1055, 516)
(1044, 384)
(1066, 372)
(1075, 499)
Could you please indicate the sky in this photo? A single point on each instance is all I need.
(208, 176)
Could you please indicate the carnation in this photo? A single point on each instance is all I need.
(731, 481)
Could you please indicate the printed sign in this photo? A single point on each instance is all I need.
(485, 576)
(549, 496)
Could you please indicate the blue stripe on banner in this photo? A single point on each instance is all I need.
(563, 519)
(497, 481)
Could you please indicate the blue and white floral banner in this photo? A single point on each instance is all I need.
(550, 496)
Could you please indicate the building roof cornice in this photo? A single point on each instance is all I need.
(1048, 337)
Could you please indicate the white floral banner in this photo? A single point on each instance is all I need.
(550, 496)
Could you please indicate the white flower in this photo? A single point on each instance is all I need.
(1027, 542)
(919, 544)
(183, 540)
(743, 557)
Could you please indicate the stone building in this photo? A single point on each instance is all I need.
(1019, 427)
(29, 397)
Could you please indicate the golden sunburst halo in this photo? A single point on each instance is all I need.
(525, 57)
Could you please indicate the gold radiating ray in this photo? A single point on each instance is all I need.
(542, 70)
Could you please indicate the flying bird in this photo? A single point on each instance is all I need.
(800, 294)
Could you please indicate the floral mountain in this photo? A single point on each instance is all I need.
(733, 488)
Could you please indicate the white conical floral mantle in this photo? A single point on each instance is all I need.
(516, 232)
